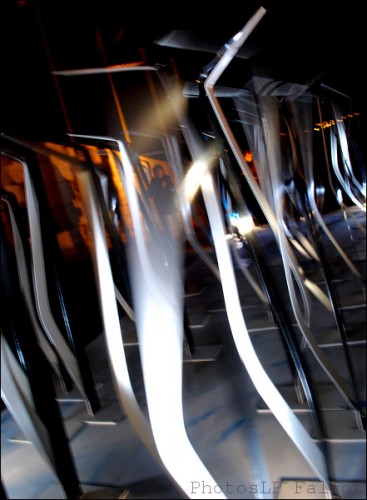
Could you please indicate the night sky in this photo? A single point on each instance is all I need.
(302, 41)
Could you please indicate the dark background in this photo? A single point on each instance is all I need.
(303, 41)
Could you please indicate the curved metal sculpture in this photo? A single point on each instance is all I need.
(40, 286)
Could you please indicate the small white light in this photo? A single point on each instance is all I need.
(193, 178)
(237, 36)
(244, 224)
(339, 196)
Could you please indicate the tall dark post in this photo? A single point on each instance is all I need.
(17, 328)
(60, 301)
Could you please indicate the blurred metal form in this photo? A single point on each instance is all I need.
(336, 190)
(303, 122)
(26, 382)
(196, 149)
(257, 133)
(118, 68)
(244, 346)
(246, 351)
(167, 149)
(291, 266)
(186, 209)
(278, 313)
(17, 395)
(157, 292)
(112, 329)
(300, 437)
(26, 288)
(40, 287)
(182, 39)
(348, 181)
(118, 254)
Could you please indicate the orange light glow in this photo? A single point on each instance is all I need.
(248, 156)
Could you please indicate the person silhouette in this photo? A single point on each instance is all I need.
(162, 191)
